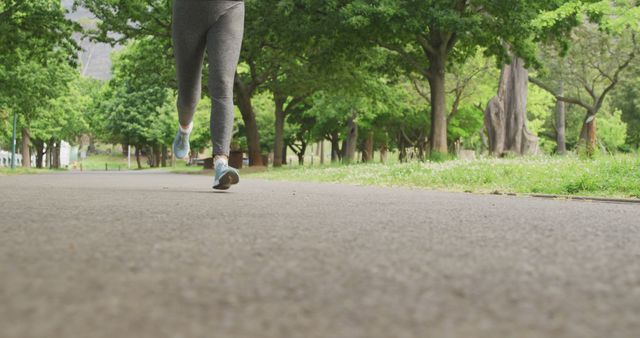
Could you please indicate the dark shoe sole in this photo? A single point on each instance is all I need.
(227, 180)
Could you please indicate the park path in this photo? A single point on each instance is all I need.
(162, 255)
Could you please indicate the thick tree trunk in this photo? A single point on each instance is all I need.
(506, 114)
(92, 146)
(156, 156)
(588, 133)
(438, 137)
(367, 152)
(278, 140)
(26, 142)
(350, 143)
(300, 158)
(138, 157)
(284, 154)
(251, 126)
(39, 145)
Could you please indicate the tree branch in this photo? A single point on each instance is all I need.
(416, 85)
(571, 100)
(428, 49)
(416, 65)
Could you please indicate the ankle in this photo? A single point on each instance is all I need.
(186, 129)
(221, 158)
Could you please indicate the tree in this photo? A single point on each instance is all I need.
(137, 109)
(37, 53)
(627, 100)
(32, 88)
(32, 29)
(601, 51)
(430, 36)
(593, 68)
(506, 113)
(62, 119)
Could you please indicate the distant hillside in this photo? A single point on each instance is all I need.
(95, 58)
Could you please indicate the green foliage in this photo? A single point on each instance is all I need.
(265, 122)
(612, 131)
(137, 109)
(200, 138)
(466, 124)
(328, 59)
(541, 118)
(627, 100)
(64, 117)
(35, 30)
(131, 20)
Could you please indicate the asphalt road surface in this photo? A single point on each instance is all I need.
(162, 255)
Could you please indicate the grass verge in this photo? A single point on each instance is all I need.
(606, 176)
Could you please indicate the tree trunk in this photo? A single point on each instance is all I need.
(438, 137)
(92, 146)
(165, 155)
(422, 145)
(367, 152)
(125, 149)
(278, 140)
(26, 142)
(138, 157)
(284, 154)
(588, 133)
(39, 145)
(383, 153)
(350, 143)
(300, 158)
(402, 149)
(505, 116)
(335, 147)
(591, 135)
(561, 148)
(49, 153)
(249, 118)
(322, 152)
(56, 155)
(156, 156)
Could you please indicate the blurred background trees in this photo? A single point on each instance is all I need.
(403, 77)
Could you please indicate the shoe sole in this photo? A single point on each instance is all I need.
(227, 180)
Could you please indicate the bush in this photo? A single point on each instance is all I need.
(625, 148)
(612, 131)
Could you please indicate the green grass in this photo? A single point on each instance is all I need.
(605, 176)
(115, 161)
(97, 162)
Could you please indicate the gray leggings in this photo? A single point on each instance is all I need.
(218, 27)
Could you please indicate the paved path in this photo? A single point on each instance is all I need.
(160, 255)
